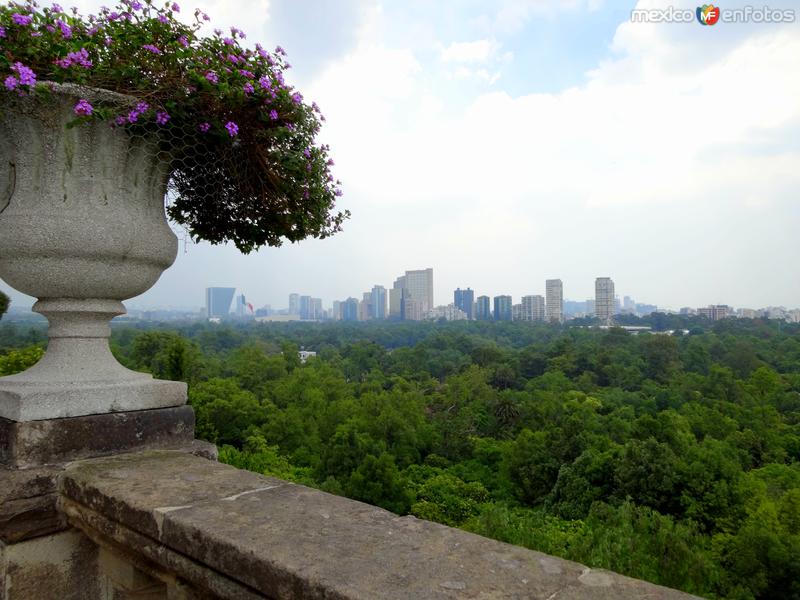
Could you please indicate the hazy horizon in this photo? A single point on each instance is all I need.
(527, 140)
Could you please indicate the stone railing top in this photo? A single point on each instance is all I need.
(264, 537)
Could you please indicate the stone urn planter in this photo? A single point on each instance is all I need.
(82, 227)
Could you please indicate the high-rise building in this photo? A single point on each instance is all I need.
(420, 287)
(378, 302)
(350, 310)
(464, 300)
(315, 309)
(604, 299)
(532, 308)
(628, 305)
(336, 311)
(554, 294)
(516, 312)
(483, 310)
(365, 307)
(304, 308)
(396, 297)
(218, 301)
(294, 304)
(241, 306)
(502, 308)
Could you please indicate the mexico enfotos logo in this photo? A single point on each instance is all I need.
(710, 14)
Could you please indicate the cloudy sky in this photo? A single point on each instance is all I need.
(510, 141)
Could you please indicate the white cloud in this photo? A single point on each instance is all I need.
(479, 51)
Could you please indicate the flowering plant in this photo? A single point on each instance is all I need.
(222, 113)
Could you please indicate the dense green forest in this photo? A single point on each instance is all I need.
(674, 459)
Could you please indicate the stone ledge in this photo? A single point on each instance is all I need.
(28, 497)
(26, 444)
(258, 535)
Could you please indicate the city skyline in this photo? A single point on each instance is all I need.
(402, 302)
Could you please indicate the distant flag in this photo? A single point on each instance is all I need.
(250, 306)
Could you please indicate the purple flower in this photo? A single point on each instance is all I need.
(183, 41)
(81, 58)
(151, 48)
(246, 73)
(307, 153)
(279, 50)
(25, 74)
(175, 7)
(297, 97)
(314, 107)
(136, 5)
(11, 83)
(248, 88)
(56, 8)
(142, 107)
(120, 120)
(2, 32)
(19, 19)
(338, 192)
(206, 17)
(163, 19)
(233, 128)
(133, 116)
(228, 42)
(212, 77)
(265, 83)
(66, 30)
(204, 127)
(273, 114)
(161, 118)
(239, 32)
(83, 108)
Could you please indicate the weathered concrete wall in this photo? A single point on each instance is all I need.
(62, 566)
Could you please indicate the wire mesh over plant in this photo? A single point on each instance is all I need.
(240, 142)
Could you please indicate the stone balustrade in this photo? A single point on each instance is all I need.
(163, 524)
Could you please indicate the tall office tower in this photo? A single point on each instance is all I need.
(412, 309)
(516, 313)
(502, 308)
(294, 304)
(379, 302)
(304, 308)
(241, 306)
(532, 308)
(336, 311)
(483, 310)
(604, 299)
(396, 297)
(350, 310)
(315, 309)
(420, 287)
(365, 307)
(218, 301)
(554, 291)
(465, 299)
